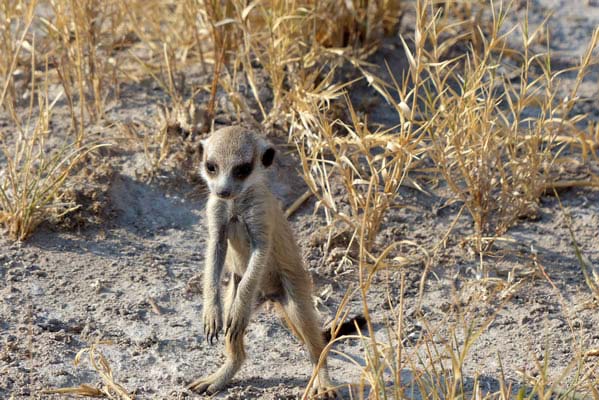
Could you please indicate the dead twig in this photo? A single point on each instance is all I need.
(298, 203)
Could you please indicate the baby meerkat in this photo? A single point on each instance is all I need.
(249, 233)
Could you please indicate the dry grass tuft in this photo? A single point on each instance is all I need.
(32, 185)
(33, 180)
(110, 389)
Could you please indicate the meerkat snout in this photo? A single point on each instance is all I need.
(233, 159)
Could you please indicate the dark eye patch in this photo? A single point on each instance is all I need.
(211, 167)
(242, 171)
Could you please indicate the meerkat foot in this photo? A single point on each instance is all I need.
(324, 389)
(325, 392)
(208, 385)
(212, 383)
(217, 381)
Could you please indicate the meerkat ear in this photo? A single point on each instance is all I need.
(201, 147)
(268, 156)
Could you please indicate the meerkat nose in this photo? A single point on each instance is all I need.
(224, 193)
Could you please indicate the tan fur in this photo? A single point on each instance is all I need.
(249, 233)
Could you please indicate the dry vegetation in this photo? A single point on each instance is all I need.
(478, 116)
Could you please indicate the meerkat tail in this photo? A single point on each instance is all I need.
(346, 328)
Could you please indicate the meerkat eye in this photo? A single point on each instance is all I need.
(243, 171)
(211, 167)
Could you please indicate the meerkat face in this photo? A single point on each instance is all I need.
(233, 159)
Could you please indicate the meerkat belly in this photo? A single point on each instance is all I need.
(238, 251)
(271, 287)
(238, 255)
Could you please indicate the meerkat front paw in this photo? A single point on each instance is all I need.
(213, 321)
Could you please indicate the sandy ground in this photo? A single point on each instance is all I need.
(131, 278)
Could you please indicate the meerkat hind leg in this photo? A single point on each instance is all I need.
(230, 294)
(234, 351)
(300, 315)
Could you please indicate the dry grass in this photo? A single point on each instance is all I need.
(488, 125)
(472, 122)
(110, 389)
(31, 185)
(34, 175)
(589, 271)
(89, 49)
(474, 125)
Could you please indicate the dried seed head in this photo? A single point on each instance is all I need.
(417, 37)
(404, 109)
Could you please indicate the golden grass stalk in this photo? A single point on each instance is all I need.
(100, 364)
(81, 390)
(16, 19)
(76, 32)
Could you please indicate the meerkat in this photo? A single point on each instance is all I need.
(249, 234)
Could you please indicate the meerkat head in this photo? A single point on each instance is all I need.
(233, 159)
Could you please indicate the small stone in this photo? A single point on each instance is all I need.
(525, 319)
